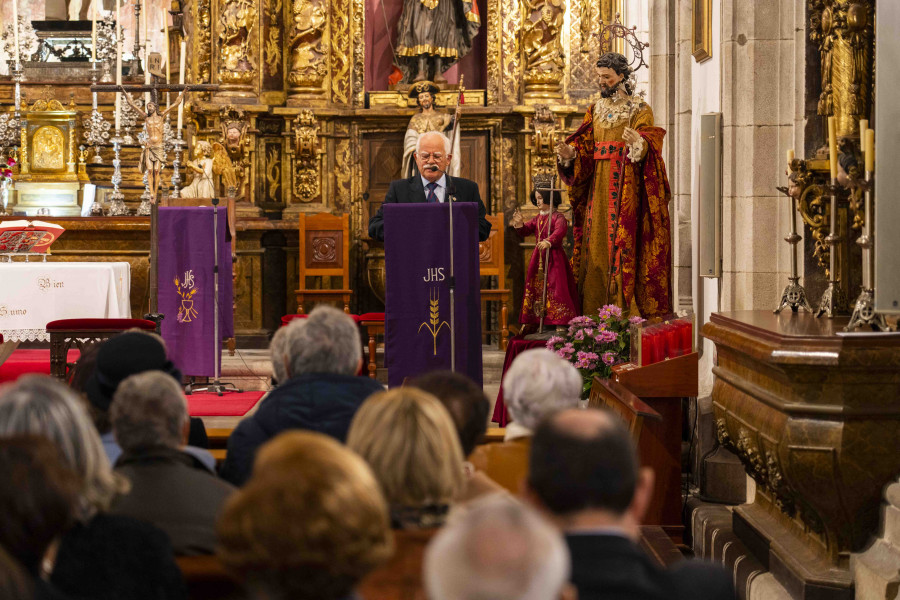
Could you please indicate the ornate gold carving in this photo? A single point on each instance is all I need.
(542, 46)
(308, 43)
(203, 42)
(236, 23)
(342, 169)
(272, 51)
(843, 32)
(359, 50)
(543, 141)
(273, 173)
(234, 126)
(306, 156)
(582, 52)
(48, 147)
(340, 51)
(511, 74)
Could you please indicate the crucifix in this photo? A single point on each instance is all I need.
(153, 156)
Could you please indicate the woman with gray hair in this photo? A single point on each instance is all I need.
(103, 556)
(536, 384)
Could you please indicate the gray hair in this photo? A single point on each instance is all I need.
(537, 383)
(277, 352)
(499, 549)
(432, 134)
(148, 410)
(325, 342)
(39, 405)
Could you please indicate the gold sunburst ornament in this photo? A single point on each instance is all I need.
(434, 323)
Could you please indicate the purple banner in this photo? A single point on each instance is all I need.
(186, 284)
(417, 302)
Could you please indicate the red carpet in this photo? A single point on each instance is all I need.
(227, 405)
(23, 362)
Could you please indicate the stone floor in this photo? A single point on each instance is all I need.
(252, 370)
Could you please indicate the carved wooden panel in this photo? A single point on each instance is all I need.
(323, 249)
(475, 161)
(382, 153)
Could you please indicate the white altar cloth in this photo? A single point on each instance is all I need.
(33, 294)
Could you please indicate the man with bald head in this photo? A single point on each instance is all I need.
(432, 184)
(585, 476)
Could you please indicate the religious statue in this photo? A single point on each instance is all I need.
(308, 55)
(235, 141)
(153, 155)
(202, 166)
(620, 195)
(541, 40)
(433, 35)
(549, 267)
(427, 119)
(236, 22)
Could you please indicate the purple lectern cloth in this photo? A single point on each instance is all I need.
(417, 301)
(186, 267)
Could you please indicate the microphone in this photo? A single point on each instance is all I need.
(451, 187)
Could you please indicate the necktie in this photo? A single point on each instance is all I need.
(432, 197)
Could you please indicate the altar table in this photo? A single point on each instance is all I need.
(33, 294)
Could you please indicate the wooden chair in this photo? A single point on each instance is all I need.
(374, 326)
(490, 258)
(324, 252)
(206, 579)
(66, 334)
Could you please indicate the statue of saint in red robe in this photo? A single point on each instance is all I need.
(620, 196)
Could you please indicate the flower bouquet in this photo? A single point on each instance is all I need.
(595, 344)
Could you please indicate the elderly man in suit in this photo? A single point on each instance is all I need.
(432, 184)
(584, 475)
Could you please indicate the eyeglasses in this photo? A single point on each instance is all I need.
(427, 155)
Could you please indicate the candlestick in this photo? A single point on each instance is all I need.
(176, 174)
(117, 206)
(790, 157)
(833, 301)
(870, 150)
(181, 81)
(794, 294)
(832, 147)
(134, 67)
(93, 32)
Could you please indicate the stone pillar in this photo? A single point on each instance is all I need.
(760, 73)
(876, 572)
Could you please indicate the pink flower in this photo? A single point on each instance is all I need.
(636, 320)
(609, 358)
(607, 337)
(10, 161)
(551, 343)
(586, 360)
(579, 335)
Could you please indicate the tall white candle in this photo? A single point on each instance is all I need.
(15, 4)
(181, 81)
(93, 33)
(146, 82)
(118, 65)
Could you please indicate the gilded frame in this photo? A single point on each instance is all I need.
(701, 30)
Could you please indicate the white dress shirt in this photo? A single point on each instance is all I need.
(439, 191)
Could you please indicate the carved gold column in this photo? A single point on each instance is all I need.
(542, 52)
(843, 31)
(307, 49)
(306, 161)
(237, 48)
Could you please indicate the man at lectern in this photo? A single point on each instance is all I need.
(432, 184)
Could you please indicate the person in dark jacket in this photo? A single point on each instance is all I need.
(169, 488)
(322, 355)
(584, 475)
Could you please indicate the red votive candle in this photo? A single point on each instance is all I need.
(673, 340)
(646, 356)
(687, 337)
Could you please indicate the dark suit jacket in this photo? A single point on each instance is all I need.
(412, 190)
(610, 567)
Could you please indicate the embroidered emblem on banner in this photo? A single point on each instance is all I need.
(434, 323)
(186, 290)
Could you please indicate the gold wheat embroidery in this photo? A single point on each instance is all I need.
(435, 325)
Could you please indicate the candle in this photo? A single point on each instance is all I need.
(832, 147)
(863, 127)
(93, 33)
(790, 157)
(144, 17)
(181, 82)
(15, 4)
(870, 150)
(118, 66)
(146, 82)
(166, 29)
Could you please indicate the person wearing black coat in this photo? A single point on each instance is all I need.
(322, 355)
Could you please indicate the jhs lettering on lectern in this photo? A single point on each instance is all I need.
(434, 274)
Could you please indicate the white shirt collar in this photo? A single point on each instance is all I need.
(441, 183)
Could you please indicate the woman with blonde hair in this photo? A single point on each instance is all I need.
(408, 438)
(103, 556)
(310, 523)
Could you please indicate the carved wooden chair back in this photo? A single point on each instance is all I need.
(324, 253)
(492, 264)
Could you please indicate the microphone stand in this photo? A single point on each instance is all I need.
(451, 191)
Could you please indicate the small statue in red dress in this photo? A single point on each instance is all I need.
(549, 228)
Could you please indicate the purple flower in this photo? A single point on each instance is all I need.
(609, 358)
(579, 335)
(607, 337)
(613, 310)
(551, 343)
(586, 360)
(589, 331)
(636, 320)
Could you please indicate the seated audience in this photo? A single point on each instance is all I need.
(279, 356)
(584, 474)
(119, 357)
(322, 393)
(408, 438)
(169, 488)
(537, 383)
(499, 549)
(309, 524)
(38, 499)
(467, 404)
(103, 556)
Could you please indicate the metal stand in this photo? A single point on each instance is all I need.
(134, 65)
(176, 163)
(833, 301)
(117, 206)
(96, 126)
(217, 386)
(106, 77)
(451, 190)
(793, 296)
(864, 309)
